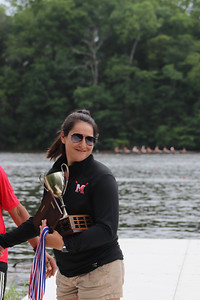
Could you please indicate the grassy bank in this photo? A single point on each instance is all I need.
(13, 294)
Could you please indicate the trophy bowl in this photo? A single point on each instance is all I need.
(57, 183)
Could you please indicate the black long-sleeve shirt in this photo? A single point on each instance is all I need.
(91, 189)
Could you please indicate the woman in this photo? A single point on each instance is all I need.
(90, 263)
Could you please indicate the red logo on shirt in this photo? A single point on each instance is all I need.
(80, 188)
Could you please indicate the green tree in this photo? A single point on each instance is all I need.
(134, 22)
(134, 64)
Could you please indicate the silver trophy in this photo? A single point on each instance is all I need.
(57, 184)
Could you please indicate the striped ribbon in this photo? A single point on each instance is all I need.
(38, 270)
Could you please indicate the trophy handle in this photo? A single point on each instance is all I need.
(41, 178)
(65, 172)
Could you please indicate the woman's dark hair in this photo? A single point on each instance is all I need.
(58, 148)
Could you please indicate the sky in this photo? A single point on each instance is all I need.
(3, 2)
(7, 5)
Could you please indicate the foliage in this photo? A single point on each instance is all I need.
(12, 293)
(135, 64)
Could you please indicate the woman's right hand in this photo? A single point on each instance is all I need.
(52, 240)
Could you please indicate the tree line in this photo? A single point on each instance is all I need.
(135, 64)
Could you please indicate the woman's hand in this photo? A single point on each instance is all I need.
(52, 240)
(50, 265)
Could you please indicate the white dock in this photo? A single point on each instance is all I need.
(164, 269)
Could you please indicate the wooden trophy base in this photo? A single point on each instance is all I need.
(49, 210)
(73, 224)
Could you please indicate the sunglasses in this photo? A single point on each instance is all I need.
(77, 138)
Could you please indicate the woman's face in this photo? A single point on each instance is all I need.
(78, 151)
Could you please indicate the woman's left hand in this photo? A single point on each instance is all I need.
(50, 265)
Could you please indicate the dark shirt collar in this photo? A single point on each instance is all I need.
(75, 167)
(79, 166)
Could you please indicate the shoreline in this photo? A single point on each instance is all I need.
(144, 153)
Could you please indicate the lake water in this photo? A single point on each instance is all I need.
(159, 197)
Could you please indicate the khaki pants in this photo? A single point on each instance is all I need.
(103, 283)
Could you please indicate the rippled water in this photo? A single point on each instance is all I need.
(159, 196)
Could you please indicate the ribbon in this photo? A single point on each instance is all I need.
(38, 270)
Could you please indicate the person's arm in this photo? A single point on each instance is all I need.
(19, 214)
(105, 206)
(22, 233)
